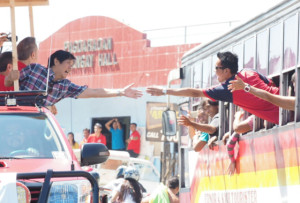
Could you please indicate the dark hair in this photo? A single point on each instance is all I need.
(213, 103)
(61, 56)
(5, 59)
(26, 47)
(133, 124)
(173, 182)
(73, 140)
(131, 186)
(86, 129)
(229, 60)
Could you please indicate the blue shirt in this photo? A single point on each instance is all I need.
(117, 141)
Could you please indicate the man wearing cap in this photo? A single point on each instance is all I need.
(97, 137)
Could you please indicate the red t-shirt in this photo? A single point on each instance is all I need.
(247, 101)
(135, 144)
(94, 139)
(2, 78)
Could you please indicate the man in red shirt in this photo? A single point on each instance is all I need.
(97, 137)
(134, 141)
(226, 71)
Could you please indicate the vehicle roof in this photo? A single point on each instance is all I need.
(20, 109)
(22, 101)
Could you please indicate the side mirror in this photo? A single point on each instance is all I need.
(169, 123)
(93, 153)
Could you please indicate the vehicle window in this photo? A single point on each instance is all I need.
(146, 172)
(28, 136)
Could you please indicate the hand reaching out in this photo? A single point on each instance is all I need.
(183, 120)
(237, 84)
(155, 91)
(132, 93)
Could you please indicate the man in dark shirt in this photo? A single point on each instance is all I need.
(226, 71)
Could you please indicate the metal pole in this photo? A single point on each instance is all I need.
(31, 21)
(14, 42)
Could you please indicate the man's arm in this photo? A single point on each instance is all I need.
(185, 92)
(118, 124)
(107, 125)
(286, 102)
(210, 129)
(198, 144)
(101, 92)
(241, 126)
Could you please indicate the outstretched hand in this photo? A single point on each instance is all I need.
(183, 120)
(132, 93)
(155, 91)
(237, 84)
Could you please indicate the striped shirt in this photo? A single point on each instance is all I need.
(34, 77)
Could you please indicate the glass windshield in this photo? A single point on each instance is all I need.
(28, 136)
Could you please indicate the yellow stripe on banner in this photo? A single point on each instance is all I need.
(262, 179)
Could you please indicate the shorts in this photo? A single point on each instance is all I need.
(204, 137)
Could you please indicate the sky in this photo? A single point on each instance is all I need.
(143, 15)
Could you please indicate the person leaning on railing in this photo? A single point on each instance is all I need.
(226, 69)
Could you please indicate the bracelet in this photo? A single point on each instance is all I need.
(119, 93)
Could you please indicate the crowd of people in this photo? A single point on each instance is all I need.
(117, 137)
(247, 89)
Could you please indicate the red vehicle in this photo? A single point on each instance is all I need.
(33, 145)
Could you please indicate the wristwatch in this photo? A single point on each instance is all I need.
(164, 91)
(247, 87)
